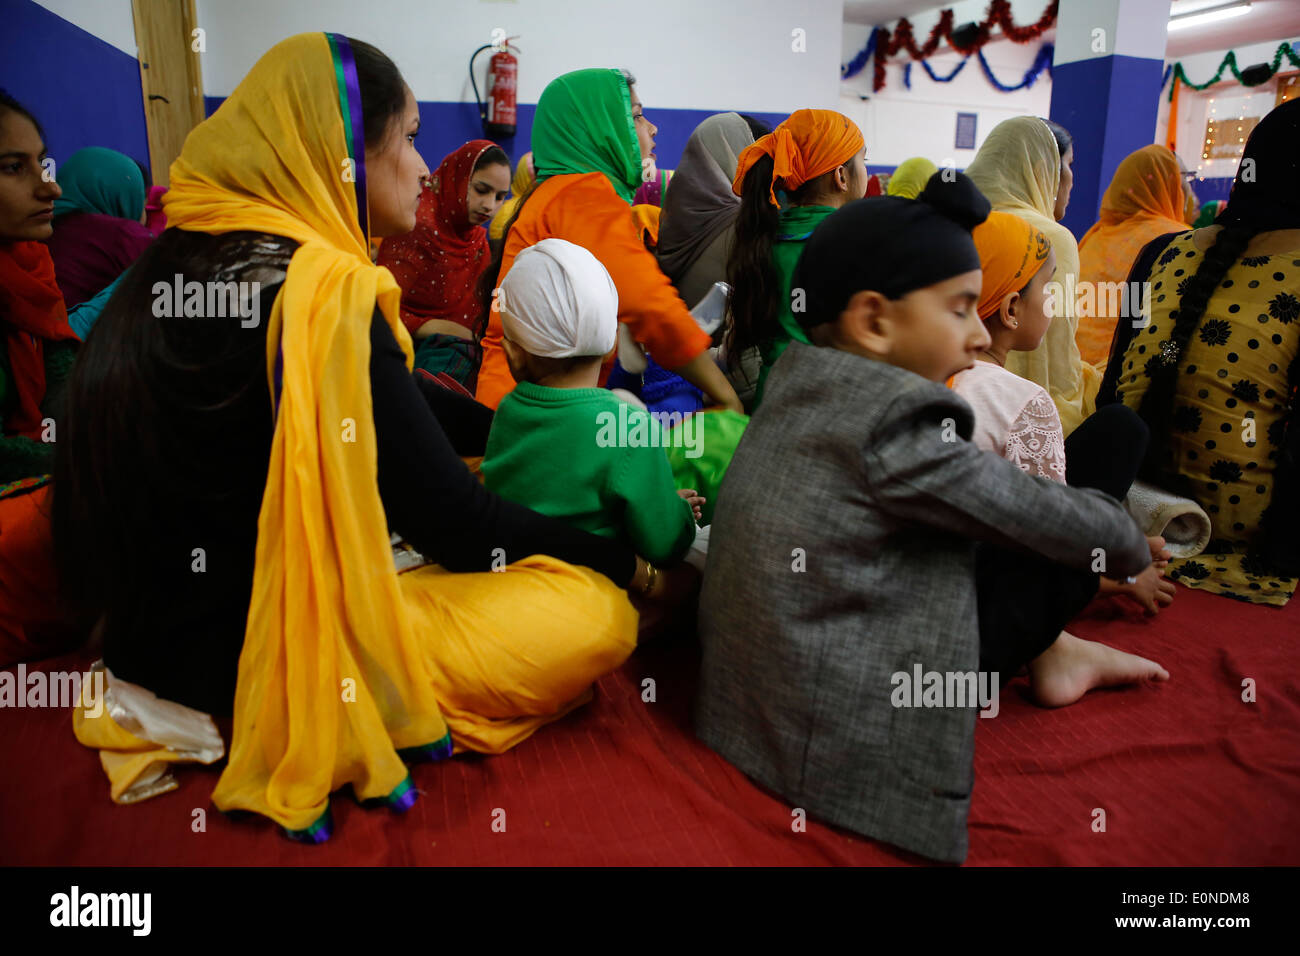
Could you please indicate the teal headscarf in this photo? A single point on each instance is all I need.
(102, 181)
(584, 124)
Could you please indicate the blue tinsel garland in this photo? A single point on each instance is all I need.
(855, 65)
(1043, 61)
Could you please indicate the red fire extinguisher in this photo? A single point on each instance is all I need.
(498, 114)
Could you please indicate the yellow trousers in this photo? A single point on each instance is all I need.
(515, 649)
(510, 651)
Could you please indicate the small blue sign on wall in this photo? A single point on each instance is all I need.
(966, 130)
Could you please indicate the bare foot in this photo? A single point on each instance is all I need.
(1160, 555)
(1072, 666)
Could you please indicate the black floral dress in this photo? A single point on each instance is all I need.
(1230, 406)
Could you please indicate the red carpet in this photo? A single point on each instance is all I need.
(1186, 773)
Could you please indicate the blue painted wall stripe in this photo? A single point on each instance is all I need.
(1109, 105)
(445, 126)
(83, 91)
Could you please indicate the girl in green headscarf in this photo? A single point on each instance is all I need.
(98, 221)
(592, 144)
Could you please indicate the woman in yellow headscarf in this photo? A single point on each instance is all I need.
(1023, 168)
(239, 520)
(525, 173)
(1145, 199)
(910, 177)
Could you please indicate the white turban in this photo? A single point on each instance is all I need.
(558, 301)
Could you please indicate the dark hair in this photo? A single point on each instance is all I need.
(1063, 138)
(135, 370)
(543, 366)
(756, 126)
(136, 378)
(487, 282)
(144, 171)
(383, 91)
(10, 105)
(755, 285)
(492, 156)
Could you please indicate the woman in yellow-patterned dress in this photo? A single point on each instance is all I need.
(1214, 373)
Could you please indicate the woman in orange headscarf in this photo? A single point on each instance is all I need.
(1145, 199)
(817, 158)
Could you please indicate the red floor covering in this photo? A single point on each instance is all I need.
(1186, 772)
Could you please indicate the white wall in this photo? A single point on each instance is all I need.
(110, 20)
(686, 54)
(898, 123)
(1228, 99)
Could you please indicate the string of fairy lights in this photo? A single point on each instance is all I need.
(1225, 136)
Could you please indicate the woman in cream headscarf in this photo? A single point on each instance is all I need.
(240, 517)
(1021, 169)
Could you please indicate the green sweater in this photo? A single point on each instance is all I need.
(797, 224)
(587, 458)
(25, 457)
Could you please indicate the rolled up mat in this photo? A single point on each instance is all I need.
(700, 449)
(1180, 521)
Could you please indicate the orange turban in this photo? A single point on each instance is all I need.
(1011, 253)
(809, 143)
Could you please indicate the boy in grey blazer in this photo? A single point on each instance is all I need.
(843, 545)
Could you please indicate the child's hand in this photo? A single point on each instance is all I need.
(688, 494)
(1151, 589)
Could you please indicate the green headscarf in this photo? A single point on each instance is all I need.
(584, 124)
(102, 181)
(1209, 212)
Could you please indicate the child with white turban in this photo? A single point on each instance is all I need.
(559, 443)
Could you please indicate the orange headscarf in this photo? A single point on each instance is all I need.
(809, 143)
(1145, 199)
(1011, 253)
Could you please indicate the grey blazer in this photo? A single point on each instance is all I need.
(842, 551)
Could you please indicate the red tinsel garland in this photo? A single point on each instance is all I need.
(999, 14)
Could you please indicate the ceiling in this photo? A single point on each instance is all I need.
(1267, 21)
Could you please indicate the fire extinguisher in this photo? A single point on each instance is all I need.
(498, 114)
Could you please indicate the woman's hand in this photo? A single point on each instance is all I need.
(704, 374)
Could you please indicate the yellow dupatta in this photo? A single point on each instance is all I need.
(523, 178)
(1018, 169)
(910, 177)
(331, 682)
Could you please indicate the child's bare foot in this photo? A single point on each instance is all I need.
(1160, 555)
(1072, 666)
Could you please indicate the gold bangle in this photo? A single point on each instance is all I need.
(652, 574)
